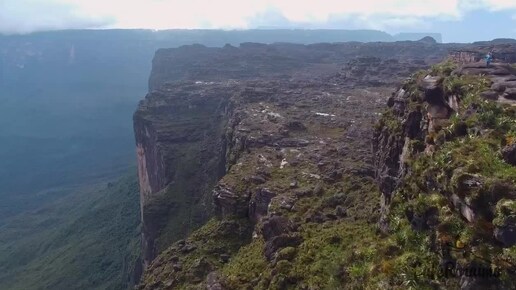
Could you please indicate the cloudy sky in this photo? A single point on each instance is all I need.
(457, 20)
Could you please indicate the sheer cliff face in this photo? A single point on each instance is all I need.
(180, 139)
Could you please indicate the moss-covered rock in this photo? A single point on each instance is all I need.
(454, 198)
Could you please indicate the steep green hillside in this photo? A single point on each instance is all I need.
(88, 240)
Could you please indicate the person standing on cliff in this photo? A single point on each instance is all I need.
(489, 58)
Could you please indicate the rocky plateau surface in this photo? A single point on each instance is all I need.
(257, 171)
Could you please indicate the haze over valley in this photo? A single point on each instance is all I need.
(257, 145)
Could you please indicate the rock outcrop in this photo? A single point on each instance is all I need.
(435, 150)
(504, 52)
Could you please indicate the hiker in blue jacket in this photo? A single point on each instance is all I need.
(489, 59)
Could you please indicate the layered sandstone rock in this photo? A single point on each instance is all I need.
(181, 144)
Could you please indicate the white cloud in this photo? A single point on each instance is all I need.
(238, 13)
(22, 16)
(27, 15)
(499, 4)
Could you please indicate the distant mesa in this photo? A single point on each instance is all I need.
(437, 37)
(428, 39)
(504, 41)
(497, 41)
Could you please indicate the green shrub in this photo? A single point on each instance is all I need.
(444, 68)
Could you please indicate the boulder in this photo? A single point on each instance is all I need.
(430, 83)
(427, 220)
(316, 217)
(287, 142)
(304, 192)
(187, 248)
(280, 242)
(510, 94)
(471, 71)
(501, 71)
(333, 176)
(498, 87)
(439, 111)
(506, 235)
(213, 281)
(490, 95)
(465, 183)
(466, 211)
(509, 154)
(287, 254)
(228, 202)
(275, 226)
(257, 179)
(431, 86)
(365, 171)
(475, 65)
(510, 85)
(259, 203)
(286, 202)
(296, 126)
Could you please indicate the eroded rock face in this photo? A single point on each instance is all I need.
(181, 146)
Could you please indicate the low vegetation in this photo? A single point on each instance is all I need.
(466, 165)
(88, 240)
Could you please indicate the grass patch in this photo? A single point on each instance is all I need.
(444, 69)
(246, 266)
